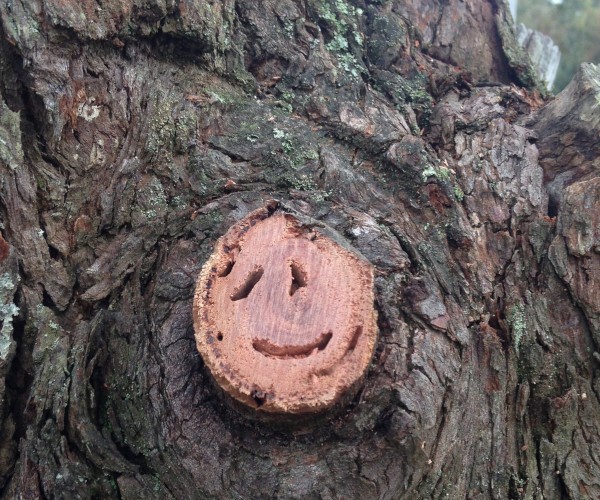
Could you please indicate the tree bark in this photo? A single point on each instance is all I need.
(134, 133)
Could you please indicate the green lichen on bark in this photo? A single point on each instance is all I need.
(8, 310)
(518, 324)
(343, 34)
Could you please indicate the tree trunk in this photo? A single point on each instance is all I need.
(134, 133)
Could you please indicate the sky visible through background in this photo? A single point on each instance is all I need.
(574, 25)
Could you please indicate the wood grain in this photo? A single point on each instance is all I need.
(284, 315)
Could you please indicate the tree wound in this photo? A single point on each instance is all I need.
(293, 315)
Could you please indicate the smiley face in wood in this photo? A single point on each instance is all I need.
(284, 316)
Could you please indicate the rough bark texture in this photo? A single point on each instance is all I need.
(134, 133)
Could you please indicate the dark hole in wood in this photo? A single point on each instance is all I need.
(227, 270)
(298, 277)
(493, 322)
(242, 291)
(258, 397)
(54, 253)
(47, 300)
(553, 206)
(219, 336)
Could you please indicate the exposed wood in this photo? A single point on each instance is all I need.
(284, 316)
(567, 130)
(544, 53)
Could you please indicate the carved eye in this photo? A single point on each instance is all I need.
(244, 289)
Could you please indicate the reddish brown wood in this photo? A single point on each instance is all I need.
(4, 248)
(284, 315)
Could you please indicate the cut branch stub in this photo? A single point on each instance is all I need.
(284, 316)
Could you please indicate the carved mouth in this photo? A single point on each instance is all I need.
(266, 348)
